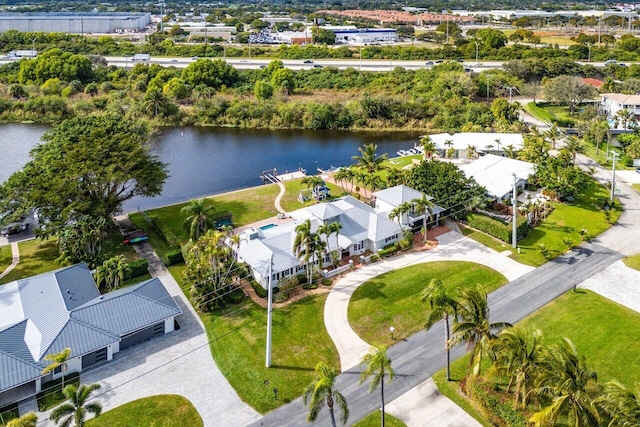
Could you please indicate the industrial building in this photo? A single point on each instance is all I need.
(74, 23)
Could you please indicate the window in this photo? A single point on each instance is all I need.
(388, 239)
(57, 370)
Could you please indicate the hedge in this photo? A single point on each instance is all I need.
(260, 291)
(498, 410)
(139, 267)
(173, 257)
(496, 228)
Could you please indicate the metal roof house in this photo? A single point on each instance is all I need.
(364, 228)
(483, 142)
(496, 174)
(61, 309)
(390, 198)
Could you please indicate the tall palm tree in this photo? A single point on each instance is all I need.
(313, 183)
(399, 211)
(424, 206)
(374, 181)
(154, 100)
(517, 352)
(199, 219)
(76, 408)
(58, 360)
(553, 135)
(341, 176)
(442, 304)
(327, 229)
(621, 404)
(321, 390)
(428, 146)
(510, 151)
(368, 159)
(377, 365)
(564, 379)
(472, 326)
(304, 246)
(112, 272)
(449, 143)
(30, 419)
(574, 146)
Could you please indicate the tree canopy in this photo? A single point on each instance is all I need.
(86, 166)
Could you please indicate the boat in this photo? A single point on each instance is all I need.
(402, 153)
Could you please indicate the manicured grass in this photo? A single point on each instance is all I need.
(636, 187)
(566, 221)
(485, 239)
(113, 246)
(400, 162)
(373, 420)
(632, 261)
(165, 410)
(593, 324)
(393, 299)
(289, 201)
(36, 257)
(5, 257)
(300, 341)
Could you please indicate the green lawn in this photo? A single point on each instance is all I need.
(592, 323)
(5, 257)
(632, 261)
(373, 420)
(300, 341)
(36, 257)
(165, 410)
(393, 299)
(636, 187)
(289, 201)
(485, 239)
(400, 162)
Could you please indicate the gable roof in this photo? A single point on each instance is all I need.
(399, 194)
(481, 140)
(64, 309)
(621, 98)
(495, 173)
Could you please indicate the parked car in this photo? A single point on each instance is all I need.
(13, 228)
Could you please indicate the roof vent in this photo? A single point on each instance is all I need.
(68, 291)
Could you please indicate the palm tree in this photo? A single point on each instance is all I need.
(517, 353)
(113, 272)
(449, 143)
(399, 211)
(304, 246)
(472, 326)
(154, 100)
(368, 158)
(471, 151)
(374, 181)
(553, 134)
(76, 408)
(30, 419)
(313, 183)
(442, 304)
(425, 207)
(428, 146)
(621, 404)
(58, 360)
(564, 379)
(341, 176)
(574, 146)
(321, 390)
(327, 229)
(376, 365)
(510, 151)
(200, 218)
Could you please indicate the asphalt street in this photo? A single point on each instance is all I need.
(419, 356)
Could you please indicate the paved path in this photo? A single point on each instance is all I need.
(452, 246)
(15, 253)
(279, 197)
(424, 406)
(618, 283)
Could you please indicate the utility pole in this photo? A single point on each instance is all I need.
(514, 238)
(269, 311)
(447, 32)
(614, 154)
(161, 16)
(476, 42)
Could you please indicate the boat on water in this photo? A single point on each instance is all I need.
(402, 153)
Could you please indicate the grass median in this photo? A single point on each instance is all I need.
(393, 299)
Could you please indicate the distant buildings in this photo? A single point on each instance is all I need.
(74, 23)
(614, 102)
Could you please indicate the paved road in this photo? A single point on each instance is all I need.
(421, 355)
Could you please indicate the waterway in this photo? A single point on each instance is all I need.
(207, 160)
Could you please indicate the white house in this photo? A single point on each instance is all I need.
(390, 198)
(496, 174)
(61, 309)
(614, 102)
(364, 228)
(468, 145)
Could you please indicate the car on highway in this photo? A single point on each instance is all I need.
(318, 66)
(194, 58)
(429, 63)
(243, 60)
(307, 61)
(468, 70)
(174, 60)
(439, 61)
(610, 61)
(263, 66)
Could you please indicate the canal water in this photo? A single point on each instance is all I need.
(209, 160)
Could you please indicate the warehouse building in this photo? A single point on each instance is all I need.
(74, 23)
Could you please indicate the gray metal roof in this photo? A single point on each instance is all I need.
(63, 309)
(399, 194)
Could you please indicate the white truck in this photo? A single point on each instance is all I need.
(141, 57)
(23, 53)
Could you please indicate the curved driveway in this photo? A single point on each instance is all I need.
(452, 246)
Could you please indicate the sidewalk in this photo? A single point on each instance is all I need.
(451, 247)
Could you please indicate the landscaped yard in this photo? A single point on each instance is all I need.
(165, 410)
(289, 201)
(632, 261)
(36, 257)
(300, 341)
(5, 257)
(592, 323)
(373, 420)
(393, 299)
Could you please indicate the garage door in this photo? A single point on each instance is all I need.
(94, 358)
(142, 336)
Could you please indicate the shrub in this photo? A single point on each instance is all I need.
(236, 296)
(260, 291)
(173, 257)
(500, 412)
(374, 258)
(280, 297)
(327, 282)
(387, 251)
(138, 268)
(496, 228)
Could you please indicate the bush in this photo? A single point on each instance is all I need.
(327, 282)
(173, 257)
(387, 251)
(280, 297)
(260, 291)
(374, 258)
(496, 228)
(236, 296)
(499, 411)
(138, 268)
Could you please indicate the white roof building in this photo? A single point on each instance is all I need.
(493, 143)
(496, 174)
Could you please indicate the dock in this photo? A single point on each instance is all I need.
(271, 176)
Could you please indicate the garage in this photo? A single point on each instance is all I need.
(142, 335)
(94, 358)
